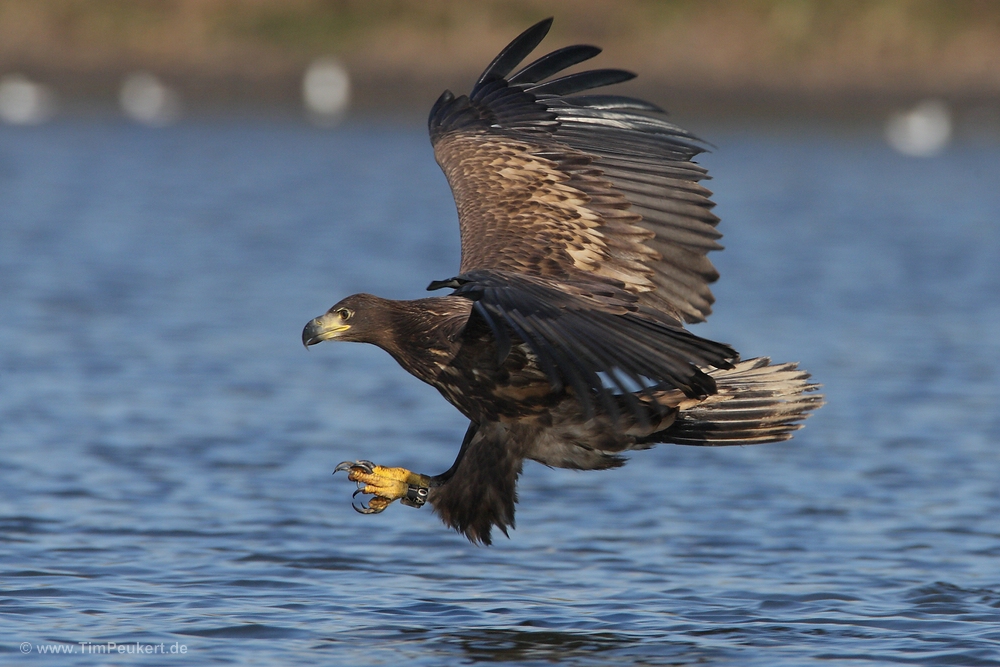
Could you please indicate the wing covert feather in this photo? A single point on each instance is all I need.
(578, 330)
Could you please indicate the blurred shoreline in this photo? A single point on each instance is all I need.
(711, 57)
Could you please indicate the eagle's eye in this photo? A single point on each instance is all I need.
(344, 314)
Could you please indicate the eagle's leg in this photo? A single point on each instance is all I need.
(389, 484)
(385, 485)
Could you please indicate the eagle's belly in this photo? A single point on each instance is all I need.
(565, 437)
(552, 425)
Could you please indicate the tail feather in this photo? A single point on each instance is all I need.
(756, 403)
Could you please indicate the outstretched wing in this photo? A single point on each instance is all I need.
(555, 184)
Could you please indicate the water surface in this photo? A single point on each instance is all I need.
(166, 444)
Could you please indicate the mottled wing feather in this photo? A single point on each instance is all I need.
(515, 193)
(562, 185)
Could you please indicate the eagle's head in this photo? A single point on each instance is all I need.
(359, 318)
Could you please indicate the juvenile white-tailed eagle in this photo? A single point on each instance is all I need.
(584, 239)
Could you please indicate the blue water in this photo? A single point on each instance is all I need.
(166, 443)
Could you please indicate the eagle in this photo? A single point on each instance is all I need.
(585, 232)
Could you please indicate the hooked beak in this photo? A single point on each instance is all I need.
(323, 328)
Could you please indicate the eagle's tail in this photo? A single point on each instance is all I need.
(756, 403)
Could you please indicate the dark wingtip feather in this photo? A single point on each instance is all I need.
(515, 52)
(554, 62)
(574, 83)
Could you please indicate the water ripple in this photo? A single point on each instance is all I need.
(165, 472)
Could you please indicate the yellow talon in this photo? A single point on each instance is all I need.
(385, 485)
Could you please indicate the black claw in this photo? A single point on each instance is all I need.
(367, 466)
(362, 508)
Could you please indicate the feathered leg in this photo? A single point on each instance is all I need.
(479, 491)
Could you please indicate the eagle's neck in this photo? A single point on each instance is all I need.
(422, 335)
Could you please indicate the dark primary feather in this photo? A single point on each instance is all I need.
(515, 52)
(553, 63)
(574, 83)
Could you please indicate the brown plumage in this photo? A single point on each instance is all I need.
(584, 239)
